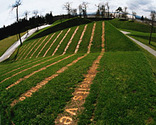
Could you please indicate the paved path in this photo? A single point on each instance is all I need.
(152, 51)
(12, 48)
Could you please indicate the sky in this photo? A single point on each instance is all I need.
(8, 16)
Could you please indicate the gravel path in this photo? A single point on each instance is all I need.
(153, 52)
(12, 48)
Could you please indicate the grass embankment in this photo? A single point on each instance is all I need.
(57, 94)
(129, 25)
(41, 45)
(7, 42)
(144, 38)
(123, 90)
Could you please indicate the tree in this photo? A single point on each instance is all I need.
(125, 12)
(133, 15)
(84, 9)
(67, 6)
(35, 12)
(153, 17)
(119, 10)
(102, 9)
(16, 5)
(107, 9)
(98, 10)
(26, 18)
(80, 10)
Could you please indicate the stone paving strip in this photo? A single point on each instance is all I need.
(78, 45)
(24, 66)
(75, 106)
(46, 80)
(70, 41)
(45, 45)
(38, 47)
(34, 72)
(61, 42)
(27, 69)
(32, 46)
(91, 39)
(22, 50)
(52, 44)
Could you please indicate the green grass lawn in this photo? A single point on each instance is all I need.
(143, 37)
(7, 42)
(124, 88)
(129, 25)
(123, 92)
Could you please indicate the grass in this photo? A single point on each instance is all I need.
(55, 97)
(144, 38)
(128, 25)
(116, 41)
(123, 91)
(7, 42)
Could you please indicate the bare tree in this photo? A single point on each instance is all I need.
(153, 17)
(16, 5)
(84, 9)
(133, 15)
(35, 12)
(125, 12)
(74, 12)
(26, 17)
(102, 9)
(98, 10)
(67, 6)
(119, 10)
(80, 10)
(107, 9)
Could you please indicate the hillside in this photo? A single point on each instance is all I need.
(78, 72)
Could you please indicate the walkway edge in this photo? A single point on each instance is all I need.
(150, 50)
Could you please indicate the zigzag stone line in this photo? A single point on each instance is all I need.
(26, 70)
(30, 47)
(41, 69)
(75, 106)
(78, 45)
(61, 42)
(46, 80)
(22, 51)
(38, 46)
(45, 45)
(70, 41)
(52, 43)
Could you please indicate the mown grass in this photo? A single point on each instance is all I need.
(136, 26)
(144, 38)
(7, 42)
(50, 99)
(123, 91)
(116, 41)
(124, 88)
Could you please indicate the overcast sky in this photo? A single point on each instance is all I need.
(8, 16)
